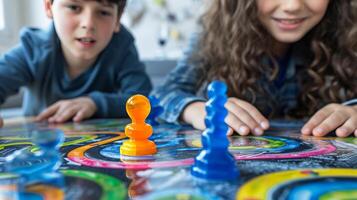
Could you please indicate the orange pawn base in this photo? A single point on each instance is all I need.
(138, 148)
(138, 108)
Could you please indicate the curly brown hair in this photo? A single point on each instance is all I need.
(234, 42)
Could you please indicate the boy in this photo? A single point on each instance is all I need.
(85, 65)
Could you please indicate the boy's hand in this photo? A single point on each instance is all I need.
(76, 109)
(331, 117)
(1, 122)
(242, 117)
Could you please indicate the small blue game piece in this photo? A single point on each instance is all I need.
(215, 162)
(38, 165)
(156, 110)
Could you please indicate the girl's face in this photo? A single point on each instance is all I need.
(289, 20)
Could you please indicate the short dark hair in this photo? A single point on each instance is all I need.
(121, 4)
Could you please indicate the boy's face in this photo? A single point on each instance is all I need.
(289, 20)
(84, 27)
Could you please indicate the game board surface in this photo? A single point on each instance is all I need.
(279, 165)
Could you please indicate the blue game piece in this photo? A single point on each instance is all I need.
(215, 162)
(38, 165)
(156, 111)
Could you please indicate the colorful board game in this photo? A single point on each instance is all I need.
(282, 164)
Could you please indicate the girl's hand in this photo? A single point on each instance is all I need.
(331, 117)
(76, 109)
(242, 117)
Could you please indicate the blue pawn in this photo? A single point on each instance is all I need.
(215, 162)
(156, 110)
(40, 165)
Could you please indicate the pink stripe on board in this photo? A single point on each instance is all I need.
(122, 165)
(321, 149)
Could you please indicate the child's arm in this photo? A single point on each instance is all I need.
(76, 109)
(1, 122)
(178, 96)
(14, 71)
(341, 117)
(179, 89)
(242, 117)
(123, 77)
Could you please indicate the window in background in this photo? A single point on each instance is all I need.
(162, 28)
(2, 17)
(8, 20)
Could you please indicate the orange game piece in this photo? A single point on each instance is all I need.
(138, 108)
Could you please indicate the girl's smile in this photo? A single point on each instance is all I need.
(288, 21)
(286, 24)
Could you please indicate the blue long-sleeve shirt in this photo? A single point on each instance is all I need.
(180, 87)
(38, 64)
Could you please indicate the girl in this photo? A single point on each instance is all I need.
(279, 58)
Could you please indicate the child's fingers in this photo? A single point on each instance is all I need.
(47, 112)
(194, 114)
(330, 123)
(199, 125)
(315, 120)
(79, 116)
(245, 116)
(347, 128)
(82, 114)
(253, 112)
(63, 107)
(236, 124)
(66, 114)
(54, 117)
(230, 131)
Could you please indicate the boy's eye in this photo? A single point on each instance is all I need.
(105, 13)
(73, 7)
